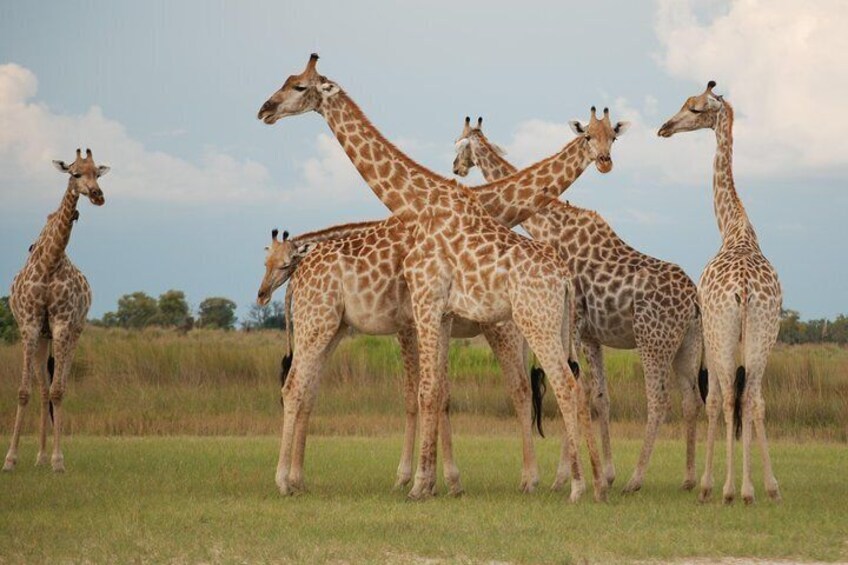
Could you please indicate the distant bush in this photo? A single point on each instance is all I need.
(8, 325)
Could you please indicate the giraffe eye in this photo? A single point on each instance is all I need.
(696, 111)
(76, 175)
(299, 88)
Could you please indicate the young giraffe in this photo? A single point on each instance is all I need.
(362, 269)
(463, 263)
(625, 299)
(741, 300)
(50, 299)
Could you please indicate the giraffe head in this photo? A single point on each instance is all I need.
(299, 94)
(698, 112)
(283, 256)
(465, 160)
(84, 174)
(599, 135)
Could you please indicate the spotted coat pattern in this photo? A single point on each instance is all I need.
(50, 298)
(741, 299)
(626, 300)
(462, 263)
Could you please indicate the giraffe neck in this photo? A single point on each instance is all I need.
(407, 188)
(492, 164)
(729, 211)
(51, 243)
(513, 197)
(384, 167)
(335, 232)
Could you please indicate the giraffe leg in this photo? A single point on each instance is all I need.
(563, 473)
(431, 326)
(64, 342)
(600, 402)
(747, 491)
(729, 491)
(508, 346)
(686, 365)
(449, 468)
(29, 339)
(713, 410)
(758, 416)
(551, 352)
(301, 426)
(656, 364)
(44, 384)
(409, 352)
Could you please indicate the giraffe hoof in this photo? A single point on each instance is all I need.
(528, 486)
(559, 482)
(419, 495)
(601, 495)
(9, 465)
(58, 462)
(41, 460)
(688, 484)
(456, 491)
(401, 483)
(729, 497)
(774, 495)
(748, 499)
(705, 494)
(577, 490)
(631, 487)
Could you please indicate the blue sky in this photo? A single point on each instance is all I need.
(166, 93)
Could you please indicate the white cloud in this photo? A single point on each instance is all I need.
(781, 63)
(31, 135)
(329, 178)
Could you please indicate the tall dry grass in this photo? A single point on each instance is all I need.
(211, 382)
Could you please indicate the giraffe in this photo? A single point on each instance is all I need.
(741, 298)
(625, 299)
(463, 262)
(50, 298)
(360, 276)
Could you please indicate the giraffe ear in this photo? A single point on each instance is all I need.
(302, 250)
(577, 127)
(61, 166)
(499, 150)
(328, 88)
(460, 145)
(621, 128)
(102, 170)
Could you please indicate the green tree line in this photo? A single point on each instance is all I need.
(171, 310)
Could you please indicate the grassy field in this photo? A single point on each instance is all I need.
(208, 383)
(208, 499)
(173, 445)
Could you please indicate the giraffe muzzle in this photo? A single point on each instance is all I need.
(267, 111)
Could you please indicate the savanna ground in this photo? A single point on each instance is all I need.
(172, 447)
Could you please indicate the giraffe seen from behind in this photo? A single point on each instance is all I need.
(741, 299)
(50, 298)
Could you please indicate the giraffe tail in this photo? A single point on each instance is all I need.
(739, 382)
(288, 358)
(538, 388)
(51, 368)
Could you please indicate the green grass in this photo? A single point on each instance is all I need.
(186, 499)
(158, 382)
